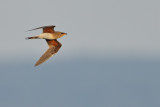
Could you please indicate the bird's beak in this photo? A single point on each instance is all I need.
(64, 34)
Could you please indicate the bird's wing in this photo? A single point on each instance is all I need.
(54, 46)
(46, 29)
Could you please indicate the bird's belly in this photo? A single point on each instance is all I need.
(47, 36)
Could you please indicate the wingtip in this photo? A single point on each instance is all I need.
(35, 65)
(41, 27)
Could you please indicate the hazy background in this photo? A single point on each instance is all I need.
(110, 57)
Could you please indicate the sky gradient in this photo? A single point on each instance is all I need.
(110, 57)
(95, 28)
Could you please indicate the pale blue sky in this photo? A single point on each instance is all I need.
(103, 28)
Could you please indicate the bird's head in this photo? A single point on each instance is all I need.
(61, 34)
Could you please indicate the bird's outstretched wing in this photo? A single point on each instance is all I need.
(54, 46)
(46, 29)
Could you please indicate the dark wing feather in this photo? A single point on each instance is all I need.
(54, 46)
(46, 29)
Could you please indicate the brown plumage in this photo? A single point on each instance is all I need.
(53, 44)
(46, 29)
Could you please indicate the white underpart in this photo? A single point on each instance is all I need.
(46, 36)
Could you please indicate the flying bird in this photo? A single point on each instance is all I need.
(51, 36)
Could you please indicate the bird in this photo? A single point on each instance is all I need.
(51, 36)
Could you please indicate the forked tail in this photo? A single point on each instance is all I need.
(34, 37)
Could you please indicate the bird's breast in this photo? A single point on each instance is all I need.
(48, 36)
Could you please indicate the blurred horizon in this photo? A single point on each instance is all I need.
(109, 58)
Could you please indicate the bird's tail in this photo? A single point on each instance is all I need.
(34, 37)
